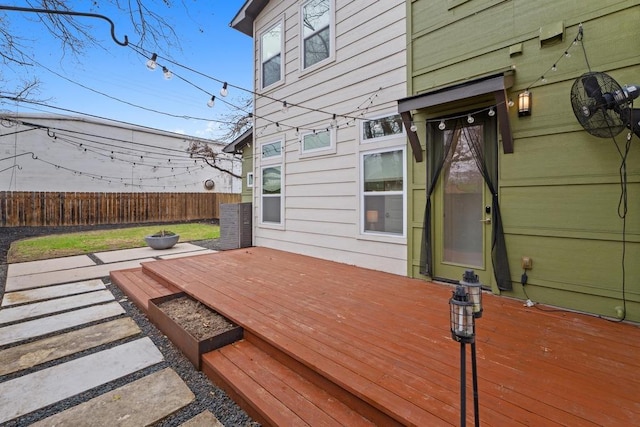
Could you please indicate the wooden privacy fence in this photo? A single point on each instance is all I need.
(53, 208)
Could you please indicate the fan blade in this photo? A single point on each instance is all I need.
(592, 88)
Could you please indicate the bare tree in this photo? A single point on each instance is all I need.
(76, 34)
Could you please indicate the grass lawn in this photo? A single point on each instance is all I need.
(59, 245)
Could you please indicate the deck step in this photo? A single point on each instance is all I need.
(273, 393)
(140, 287)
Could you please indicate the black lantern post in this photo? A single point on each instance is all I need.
(474, 289)
(465, 306)
(462, 331)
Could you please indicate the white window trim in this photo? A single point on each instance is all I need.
(331, 149)
(332, 38)
(280, 22)
(250, 180)
(381, 138)
(272, 159)
(380, 236)
(269, 224)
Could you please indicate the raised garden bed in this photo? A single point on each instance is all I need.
(193, 327)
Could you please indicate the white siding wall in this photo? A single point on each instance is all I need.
(144, 160)
(322, 193)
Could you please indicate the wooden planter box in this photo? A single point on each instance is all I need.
(185, 341)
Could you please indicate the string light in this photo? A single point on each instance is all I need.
(491, 112)
(334, 121)
(442, 125)
(212, 101)
(151, 63)
(166, 73)
(413, 127)
(224, 91)
(285, 107)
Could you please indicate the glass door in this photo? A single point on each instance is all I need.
(462, 214)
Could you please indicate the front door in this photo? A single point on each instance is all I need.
(462, 208)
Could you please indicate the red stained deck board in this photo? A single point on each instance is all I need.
(386, 338)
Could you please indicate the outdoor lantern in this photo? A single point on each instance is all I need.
(474, 289)
(462, 320)
(524, 103)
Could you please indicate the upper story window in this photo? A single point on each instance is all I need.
(272, 149)
(383, 127)
(316, 31)
(271, 48)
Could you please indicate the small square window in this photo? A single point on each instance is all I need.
(316, 141)
(272, 149)
(382, 127)
(250, 180)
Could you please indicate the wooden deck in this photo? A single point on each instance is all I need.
(327, 343)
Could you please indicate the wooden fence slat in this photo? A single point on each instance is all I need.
(35, 209)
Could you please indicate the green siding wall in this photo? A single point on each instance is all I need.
(560, 188)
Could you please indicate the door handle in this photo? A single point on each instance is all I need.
(486, 220)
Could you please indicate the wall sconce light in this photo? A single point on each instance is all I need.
(524, 103)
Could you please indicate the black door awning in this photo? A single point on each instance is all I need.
(496, 85)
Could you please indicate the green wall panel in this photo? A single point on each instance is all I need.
(560, 188)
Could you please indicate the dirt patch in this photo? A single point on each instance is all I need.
(196, 318)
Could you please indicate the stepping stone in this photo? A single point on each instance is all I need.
(36, 309)
(37, 280)
(38, 327)
(54, 264)
(20, 297)
(31, 392)
(203, 419)
(140, 403)
(34, 353)
(145, 252)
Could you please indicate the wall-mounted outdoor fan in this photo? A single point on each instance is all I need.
(603, 107)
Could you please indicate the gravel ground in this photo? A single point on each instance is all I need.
(207, 396)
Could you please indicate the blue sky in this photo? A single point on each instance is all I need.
(208, 46)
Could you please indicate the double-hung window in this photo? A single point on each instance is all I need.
(383, 191)
(317, 31)
(271, 55)
(271, 194)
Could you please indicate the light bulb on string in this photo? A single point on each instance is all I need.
(543, 79)
(510, 103)
(285, 107)
(442, 125)
(224, 91)
(166, 73)
(211, 102)
(413, 127)
(491, 112)
(278, 127)
(334, 121)
(470, 119)
(151, 63)
(567, 54)
(554, 68)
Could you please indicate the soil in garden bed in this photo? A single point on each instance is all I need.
(196, 318)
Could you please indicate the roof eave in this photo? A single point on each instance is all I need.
(243, 21)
